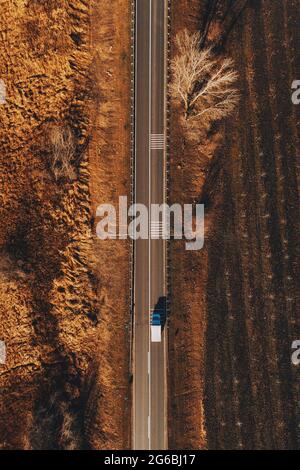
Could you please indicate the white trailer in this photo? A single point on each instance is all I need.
(155, 333)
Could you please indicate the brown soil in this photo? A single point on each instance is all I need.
(187, 321)
(64, 304)
(234, 303)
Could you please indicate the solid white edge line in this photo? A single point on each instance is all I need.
(134, 197)
(149, 429)
(149, 156)
(165, 200)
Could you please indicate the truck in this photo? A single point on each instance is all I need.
(158, 319)
(156, 327)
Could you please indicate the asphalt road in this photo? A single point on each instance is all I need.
(149, 359)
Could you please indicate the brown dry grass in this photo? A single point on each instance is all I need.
(61, 149)
(65, 383)
(187, 321)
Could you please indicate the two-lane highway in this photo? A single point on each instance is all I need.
(149, 359)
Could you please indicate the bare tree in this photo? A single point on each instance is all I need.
(202, 84)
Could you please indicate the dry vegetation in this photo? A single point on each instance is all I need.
(60, 387)
(61, 149)
(202, 83)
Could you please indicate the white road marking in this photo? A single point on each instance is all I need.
(149, 430)
(157, 141)
(134, 196)
(157, 229)
(149, 163)
(165, 200)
